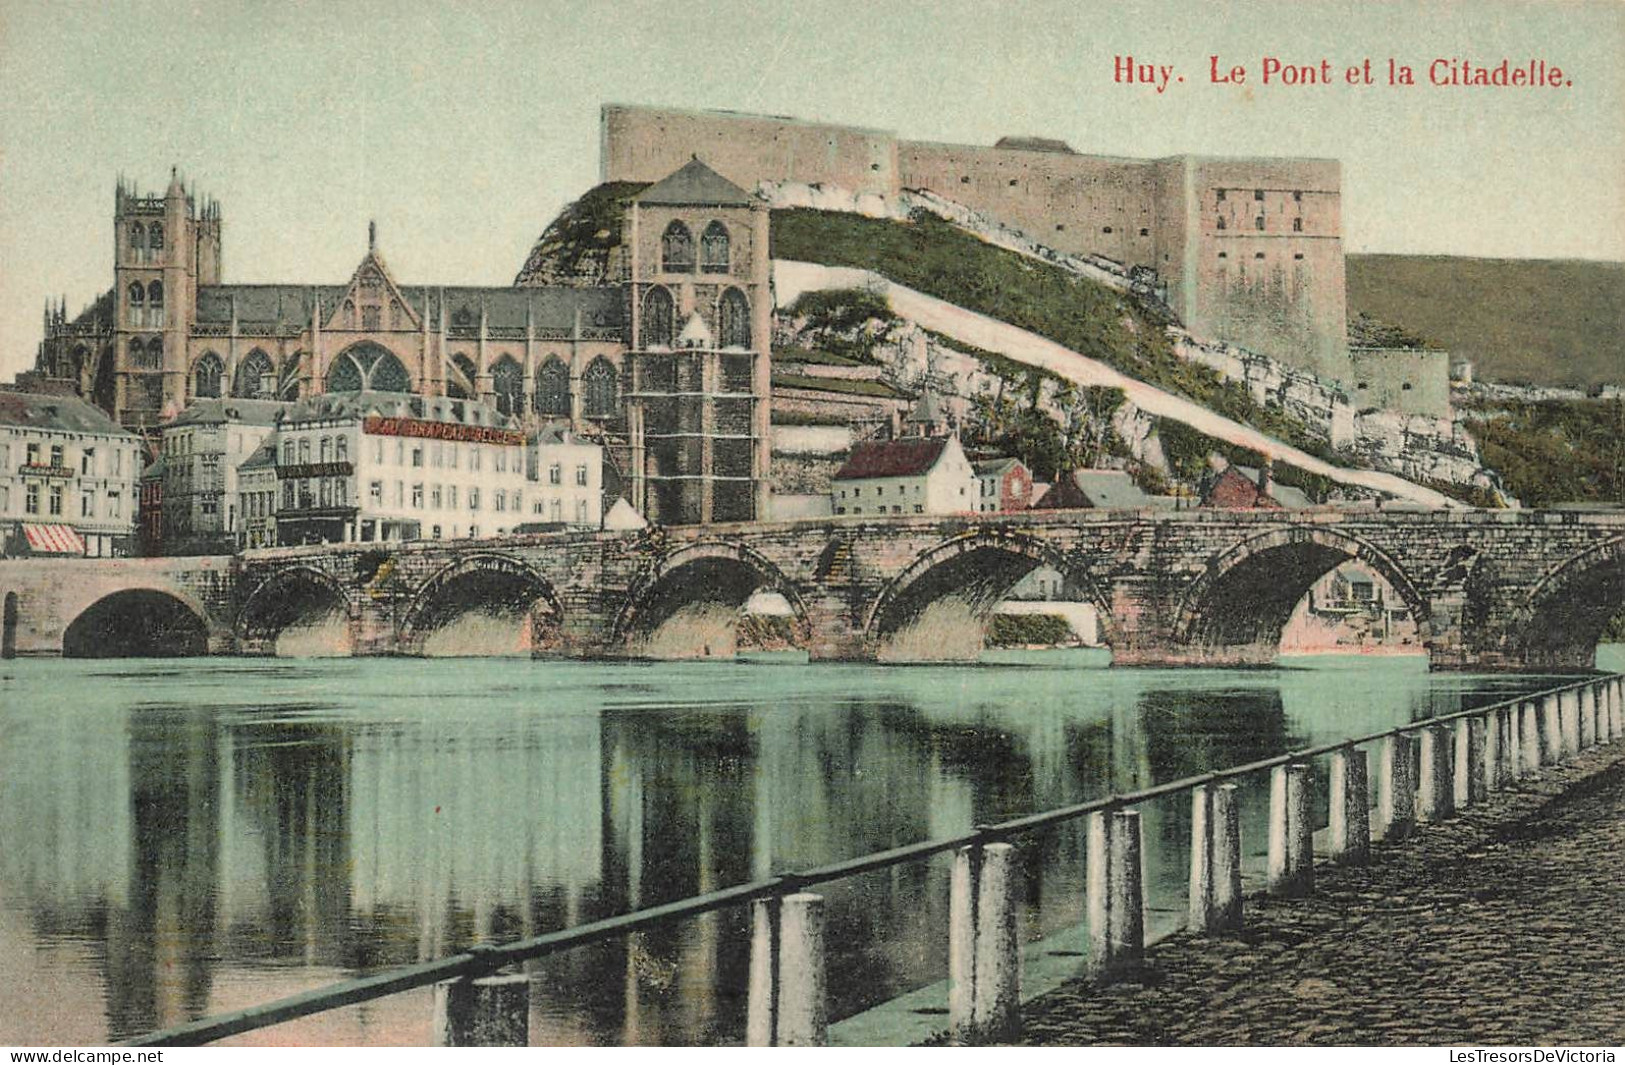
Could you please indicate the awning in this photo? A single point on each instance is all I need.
(53, 539)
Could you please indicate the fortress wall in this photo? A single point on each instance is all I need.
(1074, 203)
(1407, 380)
(648, 143)
(1279, 288)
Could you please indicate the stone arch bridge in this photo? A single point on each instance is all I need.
(1489, 590)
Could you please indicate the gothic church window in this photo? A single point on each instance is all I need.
(138, 301)
(155, 303)
(371, 318)
(553, 388)
(252, 374)
(349, 314)
(138, 241)
(733, 320)
(677, 249)
(508, 381)
(206, 377)
(368, 366)
(600, 387)
(714, 249)
(659, 319)
(155, 237)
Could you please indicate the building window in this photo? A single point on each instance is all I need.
(56, 499)
(1297, 255)
(473, 499)
(417, 497)
(451, 497)
(1224, 255)
(155, 303)
(1258, 194)
(155, 237)
(581, 475)
(115, 505)
(287, 453)
(1220, 196)
(341, 449)
(581, 512)
(555, 474)
(508, 381)
(1297, 225)
(677, 249)
(714, 249)
(256, 377)
(601, 387)
(206, 377)
(1258, 255)
(372, 318)
(325, 449)
(733, 319)
(304, 450)
(1105, 229)
(1258, 223)
(1145, 232)
(1221, 222)
(553, 387)
(500, 501)
(87, 461)
(435, 497)
(555, 510)
(417, 457)
(31, 499)
(1297, 195)
(502, 460)
(56, 455)
(287, 495)
(658, 321)
(138, 241)
(375, 492)
(474, 457)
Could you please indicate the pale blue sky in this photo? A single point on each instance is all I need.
(462, 128)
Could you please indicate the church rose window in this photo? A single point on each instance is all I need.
(714, 249)
(600, 387)
(733, 320)
(553, 388)
(677, 250)
(659, 318)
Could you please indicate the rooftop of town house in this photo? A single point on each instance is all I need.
(264, 455)
(220, 411)
(892, 458)
(50, 412)
(328, 406)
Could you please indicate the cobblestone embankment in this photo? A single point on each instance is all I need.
(1504, 925)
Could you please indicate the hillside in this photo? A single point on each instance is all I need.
(1537, 321)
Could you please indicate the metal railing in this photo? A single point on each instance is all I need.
(983, 1004)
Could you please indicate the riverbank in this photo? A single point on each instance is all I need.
(1502, 926)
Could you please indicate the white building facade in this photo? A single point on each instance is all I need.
(203, 447)
(568, 482)
(257, 495)
(917, 475)
(68, 478)
(376, 466)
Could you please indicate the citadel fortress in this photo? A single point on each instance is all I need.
(668, 360)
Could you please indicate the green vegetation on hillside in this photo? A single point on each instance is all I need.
(1549, 322)
(1556, 452)
(937, 258)
(575, 246)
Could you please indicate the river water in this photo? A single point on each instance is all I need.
(180, 838)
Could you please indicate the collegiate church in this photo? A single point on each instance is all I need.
(665, 364)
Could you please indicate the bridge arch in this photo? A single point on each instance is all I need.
(139, 622)
(977, 568)
(303, 599)
(713, 577)
(504, 589)
(1235, 611)
(1563, 617)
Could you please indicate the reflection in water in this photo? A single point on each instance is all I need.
(185, 838)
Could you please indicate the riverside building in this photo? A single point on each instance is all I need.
(384, 466)
(68, 478)
(203, 447)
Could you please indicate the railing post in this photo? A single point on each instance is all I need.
(485, 1011)
(1200, 896)
(1616, 711)
(1127, 917)
(764, 948)
(1594, 705)
(1501, 767)
(1350, 809)
(1529, 718)
(1551, 729)
(1098, 864)
(1226, 911)
(1568, 709)
(1291, 842)
(1433, 791)
(1396, 787)
(1585, 718)
(1605, 711)
(1470, 761)
(800, 1013)
(984, 950)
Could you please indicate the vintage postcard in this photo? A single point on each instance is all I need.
(1061, 524)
